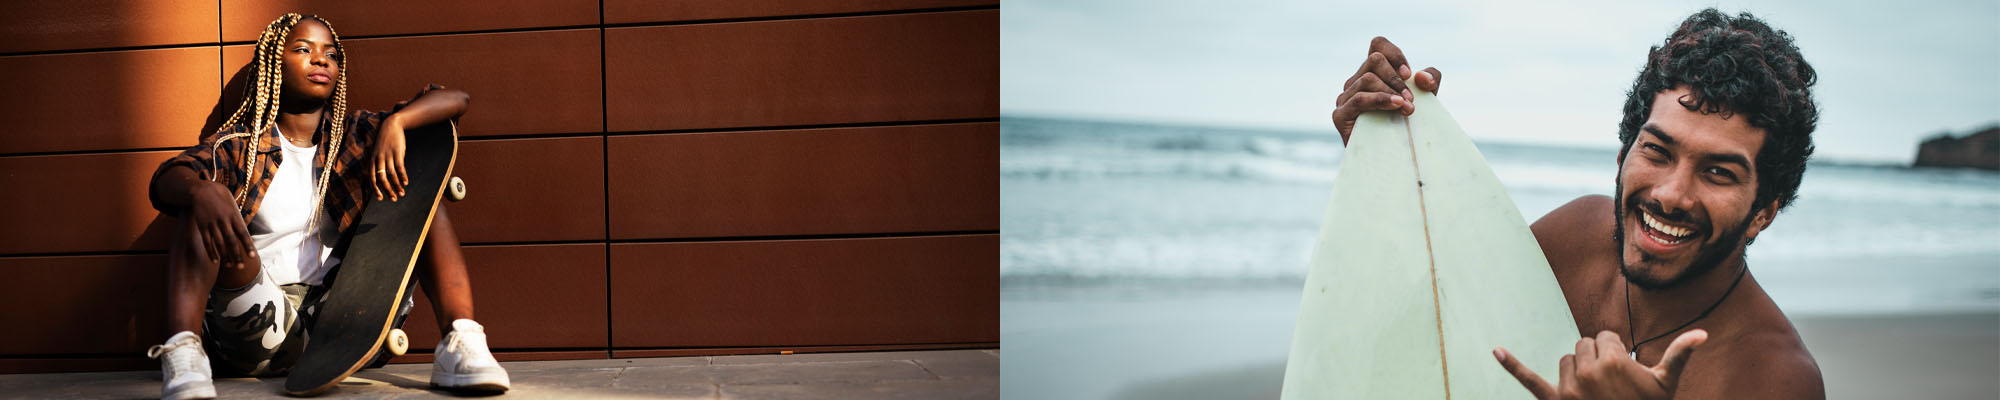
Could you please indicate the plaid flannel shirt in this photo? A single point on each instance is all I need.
(222, 162)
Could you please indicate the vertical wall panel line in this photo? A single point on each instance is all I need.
(604, 162)
(219, 59)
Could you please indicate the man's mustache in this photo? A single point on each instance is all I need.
(1659, 211)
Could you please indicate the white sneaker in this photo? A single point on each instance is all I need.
(464, 363)
(184, 372)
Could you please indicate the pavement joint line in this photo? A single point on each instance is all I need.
(840, 382)
(927, 370)
(765, 365)
(798, 363)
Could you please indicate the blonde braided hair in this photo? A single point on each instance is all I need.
(259, 110)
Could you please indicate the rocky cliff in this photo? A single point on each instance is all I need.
(1978, 150)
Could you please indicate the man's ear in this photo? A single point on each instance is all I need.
(1762, 220)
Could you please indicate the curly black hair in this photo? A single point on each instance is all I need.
(1736, 66)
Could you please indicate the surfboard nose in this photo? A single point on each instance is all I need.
(1422, 266)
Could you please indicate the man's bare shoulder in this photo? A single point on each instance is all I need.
(1576, 232)
(1761, 356)
(1767, 364)
(1769, 358)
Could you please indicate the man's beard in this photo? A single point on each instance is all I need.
(1710, 256)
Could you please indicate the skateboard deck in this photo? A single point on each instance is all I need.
(367, 289)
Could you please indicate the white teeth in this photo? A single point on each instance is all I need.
(1673, 231)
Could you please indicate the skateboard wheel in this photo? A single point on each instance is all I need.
(398, 342)
(457, 189)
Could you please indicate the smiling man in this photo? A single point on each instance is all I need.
(1716, 133)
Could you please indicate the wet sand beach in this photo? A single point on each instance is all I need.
(1184, 340)
(1930, 356)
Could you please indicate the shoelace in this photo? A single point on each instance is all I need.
(181, 363)
(452, 345)
(452, 340)
(160, 349)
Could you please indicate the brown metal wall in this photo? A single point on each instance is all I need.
(647, 177)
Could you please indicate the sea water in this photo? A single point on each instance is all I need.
(1148, 254)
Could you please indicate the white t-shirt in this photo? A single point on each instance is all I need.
(290, 254)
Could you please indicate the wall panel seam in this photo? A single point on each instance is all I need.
(114, 253)
(833, 236)
(604, 165)
(600, 25)
(89, 50)
(220, 59)
(89, 152)
(570, 135)
(936, 10)
(701, 239)
(869, 124)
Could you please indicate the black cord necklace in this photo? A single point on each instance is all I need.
(1631, 327)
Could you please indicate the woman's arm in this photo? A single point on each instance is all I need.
(175, 187)
(433, 106)
(183, 187)
(212, 210)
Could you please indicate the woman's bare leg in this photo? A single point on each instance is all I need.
(464, 362)
(191, 275)
(441, 269)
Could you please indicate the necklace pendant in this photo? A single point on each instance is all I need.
(1635, 355)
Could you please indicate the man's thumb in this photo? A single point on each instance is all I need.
(1669, 368)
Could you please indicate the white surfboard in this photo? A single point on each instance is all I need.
(1422, 266)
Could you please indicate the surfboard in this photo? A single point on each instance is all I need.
(1422, 266)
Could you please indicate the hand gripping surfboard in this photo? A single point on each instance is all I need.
(1423, 265)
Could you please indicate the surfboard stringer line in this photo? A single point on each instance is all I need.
(1437, 307)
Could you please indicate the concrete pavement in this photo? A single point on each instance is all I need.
(952, 374)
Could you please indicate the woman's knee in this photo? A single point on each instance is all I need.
(187, 251)
(185, 246)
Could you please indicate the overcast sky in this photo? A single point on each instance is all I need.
(1555, 72)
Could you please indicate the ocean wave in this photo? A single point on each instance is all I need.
(1271, 254)
(1061, 166)
(1284, 254)
(1299, 165)
(1170, 230)
(1894, 188)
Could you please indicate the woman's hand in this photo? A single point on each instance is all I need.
(389, 175)
(220, 227)
(434, 104)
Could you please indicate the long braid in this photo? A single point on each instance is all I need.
(250, 94)
(270, 74)
(332, 145)
(260, 107)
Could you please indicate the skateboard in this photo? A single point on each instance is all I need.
(357, 319)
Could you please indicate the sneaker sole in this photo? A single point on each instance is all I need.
(473, 383)
(190, 393)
